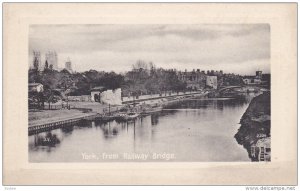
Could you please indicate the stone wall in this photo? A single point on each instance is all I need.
(112, 97)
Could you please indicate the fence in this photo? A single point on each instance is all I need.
(84, 98)
(55, 107)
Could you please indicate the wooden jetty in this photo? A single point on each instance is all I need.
(57, 124)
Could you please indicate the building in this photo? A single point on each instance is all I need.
(105, 96)
(258, 74)
(253, 80)
(68, 65)
(261, 151)
(51, 58)
(195, 79)
(215, 73)
(37, 60)
(212, 81)
(35, 87)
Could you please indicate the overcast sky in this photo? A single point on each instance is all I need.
(239, 49)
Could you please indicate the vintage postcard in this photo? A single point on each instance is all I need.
(113, 92)
(171, 98)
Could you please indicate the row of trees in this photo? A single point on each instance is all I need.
(143, 78)
(60, 84)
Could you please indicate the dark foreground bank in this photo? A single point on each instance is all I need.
(254, 133)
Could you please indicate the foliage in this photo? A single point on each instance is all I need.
(51, 96)
(36, 99)
(144, 78)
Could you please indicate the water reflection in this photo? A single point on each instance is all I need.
(49, 140)
(210, 103)
(192, 130)
(154, 119)
(67, 130)
(110, 129)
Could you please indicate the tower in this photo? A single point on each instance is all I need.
(258, 74)
(68, 65)
(37, 60)
(51, 57)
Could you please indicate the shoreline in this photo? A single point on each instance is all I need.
(254, 133)
(99, 113)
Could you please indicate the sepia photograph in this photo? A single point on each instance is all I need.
(149, 93)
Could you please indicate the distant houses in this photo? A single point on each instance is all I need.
(199, 79)
(253, 80)
(194, 80)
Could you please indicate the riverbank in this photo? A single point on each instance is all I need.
(157, 97)
(51, 116)
(88, 109)
(254, 133)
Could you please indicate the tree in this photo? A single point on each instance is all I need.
(46, 65)
(36, 99)
(65, 82)
(111, 80)
(36, 63)
(51, 96)
(140, 64)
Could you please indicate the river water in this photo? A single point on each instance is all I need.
(191, 130)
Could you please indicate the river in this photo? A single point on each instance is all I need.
(193, 130)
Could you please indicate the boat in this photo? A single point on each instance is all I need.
(150, 110)
(121, 117)
(131, 116)
(105, 117)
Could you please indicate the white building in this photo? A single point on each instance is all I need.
(212, 81)
(102, 95)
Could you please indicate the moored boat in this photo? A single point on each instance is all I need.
(131, 116)
(150, 110)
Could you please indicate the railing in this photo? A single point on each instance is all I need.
(55, 107)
